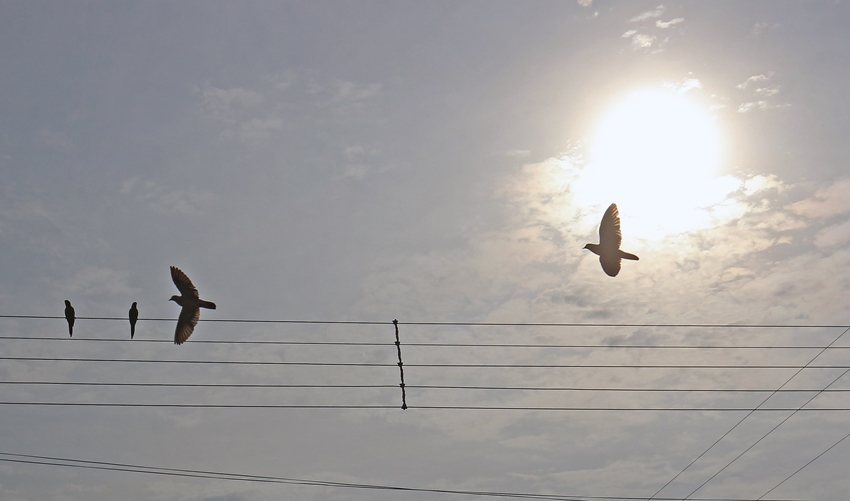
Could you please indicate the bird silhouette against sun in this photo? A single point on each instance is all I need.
(610, 238)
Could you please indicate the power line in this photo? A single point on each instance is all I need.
(216, 475)
(440, 345)
(461, 324)
(443, 365)
(804, 466)
(421, 407)
(721, 470)
(424, 386)
(747, 416)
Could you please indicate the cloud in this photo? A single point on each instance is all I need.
(167, 200)
(826, 202)
(639, 40)
(228, 104)
(832, 236)
(650, 14)
(361, 160)
(585, 3)
(97, 282)
(666, 24)
(768, 91)
(753, 79)
(760, 28)
(345, 92)
(254, 130)
(56, 141)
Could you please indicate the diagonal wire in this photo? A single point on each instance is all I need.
(802, 467)
(746, 416)
(765, 435)
(157, 470)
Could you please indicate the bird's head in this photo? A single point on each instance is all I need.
(176, 299)
(67, 303)
(134, 304)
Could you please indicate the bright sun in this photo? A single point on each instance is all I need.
(656, 155)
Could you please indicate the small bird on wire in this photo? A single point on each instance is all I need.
(134, 316)
(191, 303)
(608, 248)
(70, 317)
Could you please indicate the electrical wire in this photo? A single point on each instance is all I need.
(461, 324)
(436, 345)
(803, 467)
(443, 365)
(425, 386)
(721, 470)
(422, 407)
(747, 416)
(217, 475)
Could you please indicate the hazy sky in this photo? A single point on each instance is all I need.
(433, 161)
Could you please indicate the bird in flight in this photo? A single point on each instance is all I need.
(191, 303)
(608, 248)
(70, 317)
(134, 315)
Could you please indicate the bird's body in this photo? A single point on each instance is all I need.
(134, 316)
(70, 316)
(608, 248)
(191, 303)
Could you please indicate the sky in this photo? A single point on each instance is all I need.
(427, 162)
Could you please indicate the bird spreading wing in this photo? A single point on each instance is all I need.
(190, 302)
(609, 229)
(610, 238)
(186, 323)
(184, 285)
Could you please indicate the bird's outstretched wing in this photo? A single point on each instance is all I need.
(184, 285)
(186, 323)
(610, 264)
(609, 232)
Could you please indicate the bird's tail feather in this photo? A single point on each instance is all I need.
(626, 255)
(206, 304)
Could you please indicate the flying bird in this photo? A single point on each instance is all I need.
(191, 303)
(70, 317)
(608, 248)
(134, 315)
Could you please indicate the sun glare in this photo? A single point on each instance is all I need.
(656, 155)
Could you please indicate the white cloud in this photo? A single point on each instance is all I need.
(755, 78)
(769, 91)
(585, 3)
(639, 40)
(834, 235)
(57, 141)
(254, 130)
(650, 14)
(760, 28)
(826, 202)
(666, 24)
(97, 282)
(229, 104)
(168, 200)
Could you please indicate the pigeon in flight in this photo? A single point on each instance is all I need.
(608, 248)
(70, 317)
(191, 303)
(134, 315)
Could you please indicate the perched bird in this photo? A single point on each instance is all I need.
(191, 303)
(134, 315)
(608, 248)
(70, 317)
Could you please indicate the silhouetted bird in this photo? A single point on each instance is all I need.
(70, 317)
(134, 315)
(608, 248)
(191, 303)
